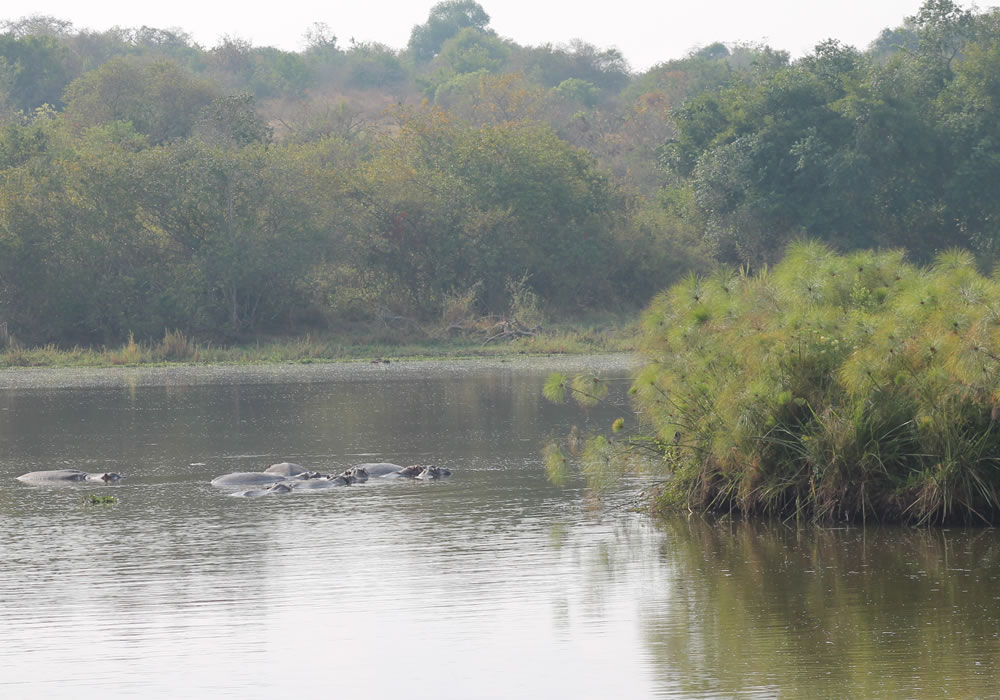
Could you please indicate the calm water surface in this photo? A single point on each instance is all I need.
(492, 584)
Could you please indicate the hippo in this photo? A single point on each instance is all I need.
(286, 469)
(411, 472)
(356, 474)
(55, 476)
(246, 479)
(433, 472)
(340, 480)
(311, 475)
(271, 491)
(374, 469)
(313, 484)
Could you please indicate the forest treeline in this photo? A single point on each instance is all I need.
(148, 183)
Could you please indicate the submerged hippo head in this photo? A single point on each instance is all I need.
(111, 476)
(306, 476)
(280, 488)
(340, 480)
(412, 471)
(434, 472)
(356, 475)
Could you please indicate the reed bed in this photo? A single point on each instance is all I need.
(830, 387)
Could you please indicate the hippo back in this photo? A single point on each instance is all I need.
(379, 468)
(246, 479)
(286, 469)
(53, 475)
(312, 484)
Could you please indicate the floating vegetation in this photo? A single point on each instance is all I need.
(94, 499)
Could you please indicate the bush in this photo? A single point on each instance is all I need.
(831, 387)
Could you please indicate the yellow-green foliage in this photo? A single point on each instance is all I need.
(836, 386)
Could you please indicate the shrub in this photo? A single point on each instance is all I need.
(833, 387)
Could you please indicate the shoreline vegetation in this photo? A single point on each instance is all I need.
(831, 388)
(596, 334)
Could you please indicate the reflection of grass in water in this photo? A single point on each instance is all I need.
(885, 612)
(93, 499)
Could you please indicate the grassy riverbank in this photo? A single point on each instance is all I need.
(595, 334)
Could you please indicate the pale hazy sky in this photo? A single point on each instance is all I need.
(646, 31)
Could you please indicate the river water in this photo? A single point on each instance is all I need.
(490, 584)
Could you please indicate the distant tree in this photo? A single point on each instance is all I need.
(240, 228)
(893, 40)
(577, 90)
(486, 98)
(448, 207)
(320, 38)
(233, 121)
(969, 106)
(371, 65)
(446, 19)
(551, 65)
(8, 74)
(712, 52)
(72, 266)
(159, 98)
(942, 28)
(42, 68)
(231, 63)
(473, 50)
(37, 25)
(278, 73)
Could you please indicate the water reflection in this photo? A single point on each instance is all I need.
(883, 612)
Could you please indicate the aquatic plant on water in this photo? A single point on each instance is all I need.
(99, 500)
(832, 387)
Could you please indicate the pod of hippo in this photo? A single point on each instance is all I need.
(67, 476)
(287, 477)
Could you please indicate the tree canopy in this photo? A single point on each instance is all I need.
(236, 190)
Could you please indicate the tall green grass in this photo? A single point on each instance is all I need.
(832, 387)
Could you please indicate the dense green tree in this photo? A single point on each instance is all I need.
(446, 19)
(448, 207)
(969, 107)
(580, 91)
(473, 50)
(551, 65)
(73, 268)
(372, 65)
(278, 73)
(240, 227)
(233, 121)
(159, 98)
(42, 68)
